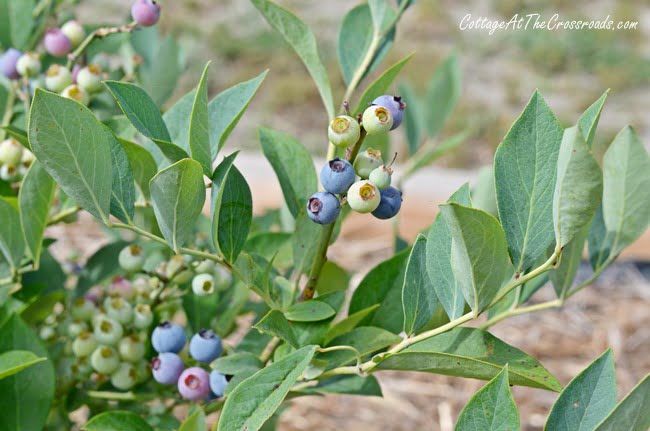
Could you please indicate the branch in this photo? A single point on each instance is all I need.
(97, 34)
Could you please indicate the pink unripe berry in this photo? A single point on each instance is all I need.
(56, 43)
(145, 12)
(194, 384)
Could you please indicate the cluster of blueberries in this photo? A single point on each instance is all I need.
(15, 160)
(80, 82)
(373, 193)
(194, 383)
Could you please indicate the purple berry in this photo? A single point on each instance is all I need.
(145, 12)
(218, 383)
(56, 43)
(337, 176)
(167, 367)
(194, 384)
(205, 346)
(395, 105)
(390, 204)
(323, 207)
(168, 337)
(8, 63)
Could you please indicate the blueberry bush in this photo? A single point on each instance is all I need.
(238, 313)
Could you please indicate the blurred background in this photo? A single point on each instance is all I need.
(499, 74)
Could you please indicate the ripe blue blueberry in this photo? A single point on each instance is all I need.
(168, 337)
(323, 207)
(57, 43)
(377, 120)
(194, 384)
(205, 346)
(8, 63)
(218, 383)
(337, 176)
(391, 202)
(394, 105)
(167, 367)
(145, 12)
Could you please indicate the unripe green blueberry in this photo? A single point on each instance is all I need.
(131, 348)
(203, 284)
(366, 162)
(121, 286)
(377, 120)
(90, 78)
(11, 152)
(76, 93)
(57, 78)
(108, 331)
(131, 258)
(205, 266)
(222, 278)
(81, 367)
(29, 65)
(83, 309)
(28, 158)
(119, 310)
(381, 177)
(76, 327)
(74, 31)
(142, 316)
(98, 317)
(104, 360)
(47, 333)
(125, 377)
(9, 173)
(363, 197)
(84, 345)
(344, 131)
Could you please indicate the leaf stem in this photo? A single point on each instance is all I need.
(516, 311)
(97, 34)
(56, 218)
(349, 348)
(269, 349)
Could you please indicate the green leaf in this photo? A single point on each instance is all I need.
(483, 193)
(18, 134)
(116, 421)
(304, 247)
(381, 84)
(562, 277)
(237, 363)
(632, 413)
(275, 324)
(15, 361)
(34, 201)
(74, 148)
(332, 278)
(26, 397)
(143, 113)
(292, 165)
(16, 23)
(100, 266)
(178, 194)
(232, 209)
(419, 298)
(432, 151)
(123, 188)
(195, 421)
(587, 399)
(255, 399)
(365, 339)
(302, 40)
(349, 323)
(177, 120)
(350, 385)
(309, 311)
(200, 310)
(525, 168)
(578, 189)
(479, 253)
(382, 285)
(438, 249)
(414, 121)
(12, 243)
(143, 166)
(161, 70)
(442, 94)
(354, 40)
(492, 408)
(471, 353)
(270, 244)
(589, 119)
(199, 135)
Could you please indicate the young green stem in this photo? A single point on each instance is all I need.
(516, 311)
(269, 349)
(97, 34)
(56, 218)
(9, 110)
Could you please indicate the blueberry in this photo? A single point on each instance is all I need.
(29, 65)
(76, 327)
(391, 202)
(76, 93)
(131, 258)
(218, 383)
(56, 43)
(90, 78)
(9, 173)
(363, 197)
(381, 177)
(83, 309)
(377, 120)
(142, 316)
(104, 360)
(194, 384)
(166, 368)
(125, 377)
(344, 131)
(57, 78)
(395, 105)
(145, 12)
(168, 337)
(323, 207)
(74, 31)
(131, 348)
(203, 284)
(122, 287)
(366, 162)
(205, 267)
(205, 346)
(84, 345)
(8, 63)
(337, 176)
(118, 309)
(11, 152)
(108, 331)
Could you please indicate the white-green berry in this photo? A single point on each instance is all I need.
(118, 309)
(203, 284)
(377, 120)
(9, 173)
(381, 177)
(47, 333)
(142, 316)
(344, 131)
(74, 31)
(108, 331)
(29, 65)
(90, 78)
(57, 78)
(363, 197)
(76, 327)
(11, 152)
(205, 266)
(366, 162)
(125, 377)
(83, 309)
(84, 345)
(131, 348)
(131, 258)
(104, 360)
(76, 93)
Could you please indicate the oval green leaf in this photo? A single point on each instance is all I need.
(116, 421)
(12, 243)
(380, 85)
(419, 299)
(633, 412)
(199, 133)
(17, 360)
(309, 311)
(34, 201)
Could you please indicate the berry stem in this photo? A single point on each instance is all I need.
(97, 34)
(56, 218)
